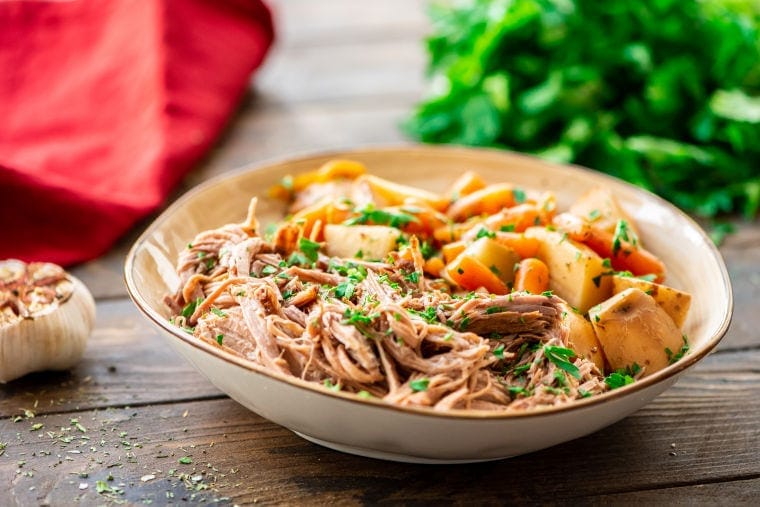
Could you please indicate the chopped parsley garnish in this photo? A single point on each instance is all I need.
(189, 308)
(485, 233)
(413, 277)
(420, 384)
(594, 214)
(357, 317)
(332, 387)
(269, 270)
(547, 293)
(427, 250)
(499, 351)
(507, 228)
(495, 309)
(430, 314)
(623, 232)
(519, 370)
(369, 214)
(345, 289)
(216, 311)
(309, 248)
(618, 379)
(219, 338)
(519, 195)
(673, 358)
(297, 258)
(560, 356)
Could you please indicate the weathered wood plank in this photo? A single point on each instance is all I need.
(732, 493)
(689, 436)
(126, 362)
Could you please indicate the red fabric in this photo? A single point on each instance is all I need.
(104, 106)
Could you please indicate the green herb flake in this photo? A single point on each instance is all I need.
(219, 338)
(519, 195)
(495, 309)
(617, 379)
(560, 356)
(216, 311)
(507, 228)
(268, 270)
(369, 214)
(185, 460)
(309, 248)
(419, 385)
(485, 233)
(499, 351)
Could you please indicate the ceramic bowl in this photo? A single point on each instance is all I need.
(371, 428)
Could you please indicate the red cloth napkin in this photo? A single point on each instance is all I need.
(104, 106)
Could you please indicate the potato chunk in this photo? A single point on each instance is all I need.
(365, 241)
(582, 338)
(673, 301)
(600, 207)
(633, 328)
(576, 273)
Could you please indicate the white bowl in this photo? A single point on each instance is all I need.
(371, 428)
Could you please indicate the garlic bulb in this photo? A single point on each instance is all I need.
(46, 316)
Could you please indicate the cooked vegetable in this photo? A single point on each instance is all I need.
(363, 241)
(485, 201)
(600, 208)
(498, 260)
(331, 170)
(532, 276)
(582, 338)
(576, 273)
(389, 193)
(667, 99)
(634, 330)
(466, 184)
(46, 316)
(622, 246)
(675, 302)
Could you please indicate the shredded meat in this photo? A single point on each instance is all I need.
(371, 329)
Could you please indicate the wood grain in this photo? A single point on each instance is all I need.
(685, 438)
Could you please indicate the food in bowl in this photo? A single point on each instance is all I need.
(481, 297)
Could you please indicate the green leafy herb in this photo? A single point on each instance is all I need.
(430, 314)
(269, 270)
(507, 228)
(216, 311)
(413, 277)
(309, 248)
(618, 379)
(673, 358)
(560, 356)
(329, 384)
(420, 384)
(623, 232)
(219, 338)
(669, 101)
(189, 308)
(495, 309)
(499, 351)
(370, 214)
(519, 195)
(485, 233)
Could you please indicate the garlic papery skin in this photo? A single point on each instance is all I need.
(46, 317)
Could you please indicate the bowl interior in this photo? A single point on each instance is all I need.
(694, 264)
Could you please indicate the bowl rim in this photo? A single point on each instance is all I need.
(670, 371)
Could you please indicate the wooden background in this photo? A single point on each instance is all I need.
(343, 74)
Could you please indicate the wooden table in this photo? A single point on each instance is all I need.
(344, 73)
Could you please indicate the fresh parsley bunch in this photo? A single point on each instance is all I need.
(662, 93)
